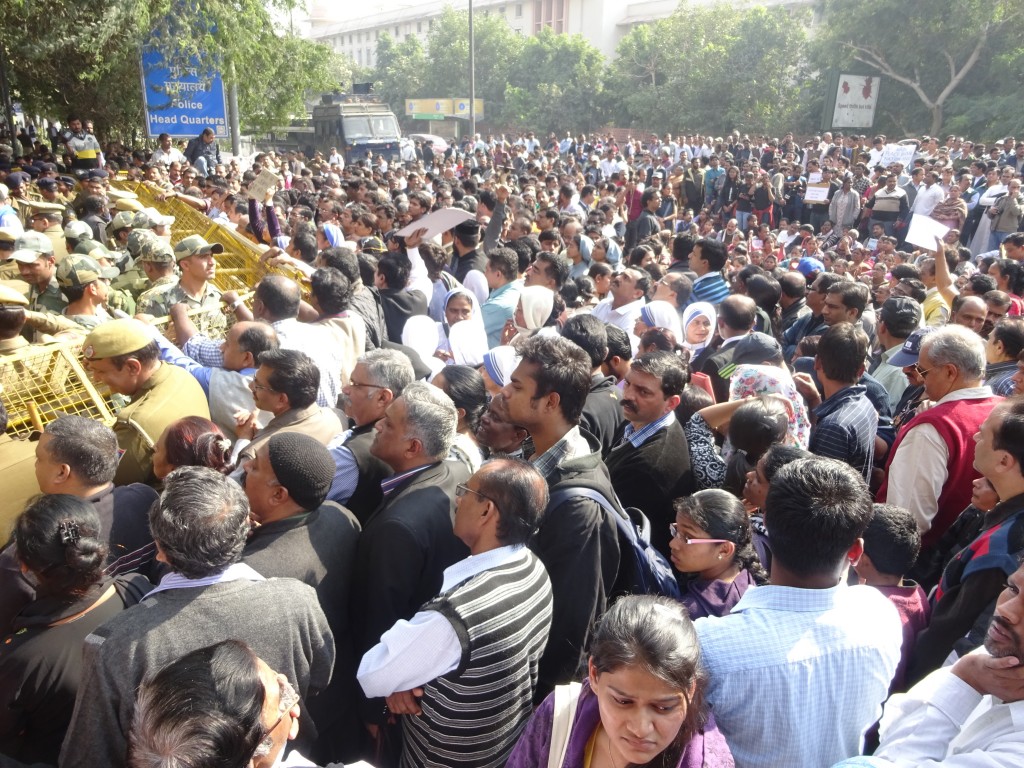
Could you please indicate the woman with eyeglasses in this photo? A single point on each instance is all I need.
(712, 547)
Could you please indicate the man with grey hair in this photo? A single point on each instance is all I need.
(931, 464)
(408, 541)
(200, 526)
(377, 379)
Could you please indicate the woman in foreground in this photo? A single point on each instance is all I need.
(642, 703)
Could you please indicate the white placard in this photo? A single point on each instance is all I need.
(898, 153)
(259, 186)
(814, 178)
(856, 99)
(816, 194)
(923, 230)
(437, 222)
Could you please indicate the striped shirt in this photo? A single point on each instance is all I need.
(711, 288)
(395, 480)
(846, 426)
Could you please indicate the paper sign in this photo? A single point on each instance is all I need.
(756, 243)
(871, 244)
(814, 178)
(923, 230)
(898, 153)
(437, 222)
(259, 186)
(816, 194)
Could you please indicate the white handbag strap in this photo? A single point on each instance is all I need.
(566, 698)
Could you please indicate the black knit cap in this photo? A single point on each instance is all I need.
(303, 466)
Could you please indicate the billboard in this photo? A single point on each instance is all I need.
(855, 102)
(181, 101)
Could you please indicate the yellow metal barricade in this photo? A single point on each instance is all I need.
(45, 381)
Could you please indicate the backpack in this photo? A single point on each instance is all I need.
(651, 573)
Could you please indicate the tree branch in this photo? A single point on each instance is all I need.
(873, 58)
(958, 77)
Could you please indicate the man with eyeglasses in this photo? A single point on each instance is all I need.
(377, 379)
(407, 541)
(930, 468)
(461, 673)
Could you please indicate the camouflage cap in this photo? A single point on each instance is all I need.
(76, 270)
(123, 220)
(136, 239)
(77, 229)
(194, 245)
(30, 246)
(116, 337)
(156, 250)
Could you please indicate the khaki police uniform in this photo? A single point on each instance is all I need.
(17, 468)
(169, 394)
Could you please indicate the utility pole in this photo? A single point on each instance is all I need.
(236, 132)
(472, 75)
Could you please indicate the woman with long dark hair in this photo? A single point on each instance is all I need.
(60, 546)
(641, 704)
(712, 545)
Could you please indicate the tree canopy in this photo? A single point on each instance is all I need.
(84, 56)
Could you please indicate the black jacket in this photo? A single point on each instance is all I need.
(652, 476)
(602, 412)
(318, 548)
(578, 543)
(399, 305)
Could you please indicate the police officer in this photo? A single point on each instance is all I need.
(48, 218)
(86, 285)
(154, 271)
(193, 288)
(123, 355)
(118, 299)
(17, 467)
(33, 252)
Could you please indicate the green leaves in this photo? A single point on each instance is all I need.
(92, 65)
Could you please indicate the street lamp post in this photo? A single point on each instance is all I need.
(472, 75)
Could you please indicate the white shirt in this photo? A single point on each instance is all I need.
(927, 198)
(918, 470)
(624, 317)
(943, 721)
(414, 652)
(797, 676)
(173, 155)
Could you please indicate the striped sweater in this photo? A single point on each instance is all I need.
(474, 715)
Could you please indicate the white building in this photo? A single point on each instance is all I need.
(602, 22)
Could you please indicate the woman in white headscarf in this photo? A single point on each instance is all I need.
(498, 366)
(461, 306)
(699, 322)
(533, 313)
(658, 314)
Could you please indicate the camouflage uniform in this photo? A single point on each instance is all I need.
(157, 301)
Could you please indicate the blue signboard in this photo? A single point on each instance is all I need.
(181, 101)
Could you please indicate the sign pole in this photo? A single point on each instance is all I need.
(472, 76)
(236, 133)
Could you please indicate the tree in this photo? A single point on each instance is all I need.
(556, 84)
(399, 71)
(92, 66)
(710, 68)
(929, 51)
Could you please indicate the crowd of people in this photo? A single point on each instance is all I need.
(412, 496)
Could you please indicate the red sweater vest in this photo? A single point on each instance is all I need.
(956, 422)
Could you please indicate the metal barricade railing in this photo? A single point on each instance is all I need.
(44, 381)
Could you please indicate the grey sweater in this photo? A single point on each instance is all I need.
(280, 619)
